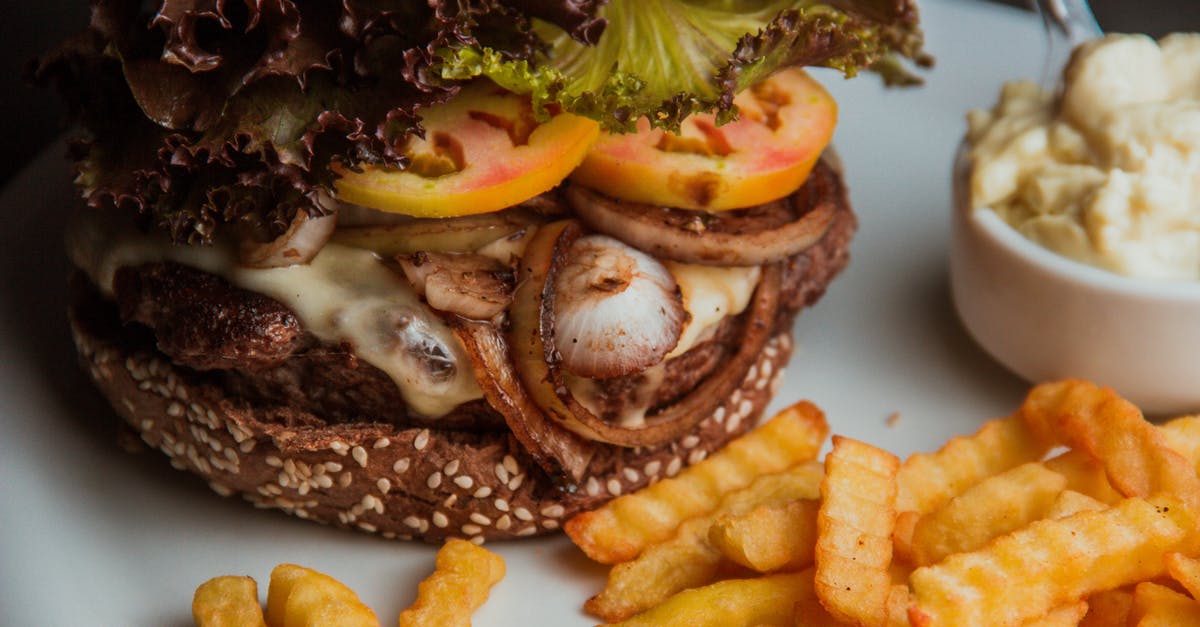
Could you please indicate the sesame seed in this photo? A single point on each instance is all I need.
(424, 526)
(735, 420)
(690, 441)
(503, 523)
(697, 456)
(767, 367)
(510, 465)
(147, 424)
(464, 482)
(440, 521)
(360, 455)
(523, 514)
(412, 521)
(401, 465)
(247, 445)
(736, 397)
(366, 526)
(652, 468)
(344, 479)
(333, 467)
(674, 466)
(174, 410)
(516, 482)
(289, 466)
(472, 530)
(451, 467)
(221, 489)
(549, 524)
(528, 531)
(304, 488)
(719, 414)
(476, 540)
(480, 519)
(614, 487)
(339, 447)
(501, 505)
(434, 480)
(483, 492)
(323, 481)
(501, 473)
(752, 373)
(745, 407)
(450, 500)
(384, 485)
(553, 511)
(593, 486)
(382, 443)
(231, 455)
(421, 440)
(631, 474)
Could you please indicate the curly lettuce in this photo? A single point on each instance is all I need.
(715, 49)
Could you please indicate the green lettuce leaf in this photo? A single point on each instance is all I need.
(716, 49)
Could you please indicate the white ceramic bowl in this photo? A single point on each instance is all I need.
(1045, 316)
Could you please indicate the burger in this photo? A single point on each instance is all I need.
(433, 269)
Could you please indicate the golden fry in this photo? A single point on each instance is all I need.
(623, 528)
(302, 597)
(688, 560)
(1070, 502)
(1185, 570)
(902, 537)
(768, 600)
(769, 537)
(1084, 475)
(1108, 608)
(1063, 616)
(463, 576)
(1156, 605)
(227, 602)
(927, 480)
(990, 508)
(1097, 421)
(854, 532)
(1183, 435)
(1050, 562)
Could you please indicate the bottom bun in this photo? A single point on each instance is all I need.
(399, 482)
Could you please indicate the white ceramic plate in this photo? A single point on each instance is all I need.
(92, 535)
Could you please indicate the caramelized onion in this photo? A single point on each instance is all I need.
(463, 234)
(748, 237)
(531, 339)
(304, 238)
(472, 286)
(617, 310)
(552, 447)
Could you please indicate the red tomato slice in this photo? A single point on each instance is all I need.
(786, 121)
(482, 152)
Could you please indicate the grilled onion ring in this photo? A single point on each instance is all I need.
(746, 237)
(531, 339)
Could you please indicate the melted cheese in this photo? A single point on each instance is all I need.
(344, 295)
(347, 295)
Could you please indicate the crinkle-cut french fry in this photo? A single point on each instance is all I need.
(854, 532)
(227, 602)
(462, 577)
(1070, 502)
(1050, 562)
(688, 560)
(1084, 475)
(1063, 616)
(902, 537)
(1097, 421)
(302, 597)
(927, 480)
(988, 509)
(1185, 570)
(1183, 435)
(896, 610)
(623, 528)
(1155, 605)
(770, 537)
(767, 600)
(1108, 608)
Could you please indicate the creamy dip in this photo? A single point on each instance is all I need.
(1107, 172)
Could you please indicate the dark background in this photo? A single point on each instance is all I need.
(30, 118)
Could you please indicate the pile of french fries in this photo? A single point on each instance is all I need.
(301, 597)
(1074, 510)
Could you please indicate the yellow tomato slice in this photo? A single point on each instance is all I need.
(785, 123)
(482, 152)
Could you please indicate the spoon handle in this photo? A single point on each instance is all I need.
(1068, 24)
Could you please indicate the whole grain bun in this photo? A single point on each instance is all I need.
(378, 477)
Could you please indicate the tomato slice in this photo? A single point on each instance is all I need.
(483, 151)
(785, 123)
